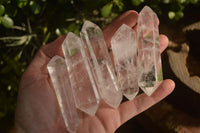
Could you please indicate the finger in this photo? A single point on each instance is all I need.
(163, 42)
(54, 48)
(129, 18)
(142, 102)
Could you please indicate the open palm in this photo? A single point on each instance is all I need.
(37, 107)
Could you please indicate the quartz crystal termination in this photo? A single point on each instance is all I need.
(124, 50)
(82, 81)
(149, 58)
(95, 45)
(59, 76)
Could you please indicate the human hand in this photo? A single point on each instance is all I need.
(37, 107)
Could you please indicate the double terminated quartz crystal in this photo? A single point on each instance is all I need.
(95, 46)
(59, 76)
(125, 58)
(80, 73)
(149, 59)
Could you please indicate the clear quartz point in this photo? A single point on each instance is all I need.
(149, 58)
(94, 44)
(124, 50)
(82, 81)
(60, 80)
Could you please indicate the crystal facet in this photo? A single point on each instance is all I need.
(149, 58)
(82, 81)
(124, 50)
(94, 43)
(59, 76)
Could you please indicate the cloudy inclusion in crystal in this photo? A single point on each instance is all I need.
(82, 81)
(149, 58)
(94, 44)
(59, 76)
(124, 51)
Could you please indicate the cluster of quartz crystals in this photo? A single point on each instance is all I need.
(87, 75)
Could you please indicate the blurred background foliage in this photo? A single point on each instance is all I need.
(25, 25)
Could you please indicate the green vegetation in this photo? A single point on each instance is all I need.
(25, 25)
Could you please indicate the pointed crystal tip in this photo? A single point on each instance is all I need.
(124, 26)
(150, 90)
(91, 109)
(52, 62)
(70, 34)
(71, 37)
(71, 44)
(119, 34)
(130, 96)
(146, 9)
(88, 24)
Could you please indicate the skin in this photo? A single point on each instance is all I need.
(37, 107)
